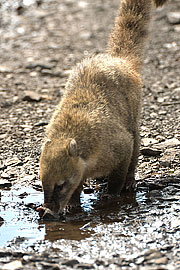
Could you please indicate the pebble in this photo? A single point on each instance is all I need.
(165, 163)
(28, 178)
(175, 224)
(5, 175)
(41, 124)
(169, 143)
(1, 221)
(47, 72)
(50, 266)
(13, 161)
(158, 261)
(12, 265)
(4, 69)
(150, 152)
(148, 141)
(85, 266)
(71, 263)
(173, 17)
(5, 183)
(39, 65)
(153, 254)
(33, 96)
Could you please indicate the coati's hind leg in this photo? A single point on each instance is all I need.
(130, 182)
(117, 179)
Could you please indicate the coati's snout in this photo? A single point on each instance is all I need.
(54, 198)
(61, 171)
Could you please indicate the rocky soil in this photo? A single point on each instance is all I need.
(40, 41)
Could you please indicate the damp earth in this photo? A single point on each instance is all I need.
(40, 41)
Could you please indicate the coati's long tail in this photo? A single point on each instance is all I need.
(131, 30)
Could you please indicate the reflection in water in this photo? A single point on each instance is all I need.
(22, 225)
(69, 231)
(80, 225)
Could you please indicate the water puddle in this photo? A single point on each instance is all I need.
(20, 223)
(20, 220)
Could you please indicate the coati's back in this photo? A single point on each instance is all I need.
(95, 131)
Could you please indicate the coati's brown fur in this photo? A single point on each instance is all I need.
(94, 131)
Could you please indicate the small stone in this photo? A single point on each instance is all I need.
(13, 161)
(177, 28)
(150, 152)
(169, 143)
(99, 262)
(39, 65)
(175, 223)
(33, 74)
(4, 69)
(70, 263)
(28, 178)
(82, 4)
(162, 112)
(161, 99)
(5, 175)
(12, 265)
(173, 17)
(149, 141)
(1, 221)
(41, 124)
(47, 265)
(23, 195)
(159, 261)
(47, 72)
(20, 10)
(5, 184)
(55, 267)
(33, 96)
(176, 91)
(139, 260)
(6, 104)
(154, 255)
(85, 266)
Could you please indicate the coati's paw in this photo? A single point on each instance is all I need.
(130, 184)
(47, 214)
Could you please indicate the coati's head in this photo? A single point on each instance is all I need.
(61, 171)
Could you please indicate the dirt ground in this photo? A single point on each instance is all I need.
(40, 41)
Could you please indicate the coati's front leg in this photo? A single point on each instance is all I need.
(75, 198)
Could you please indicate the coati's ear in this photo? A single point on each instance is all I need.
(72, 149)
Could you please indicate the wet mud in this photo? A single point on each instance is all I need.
(40, 41)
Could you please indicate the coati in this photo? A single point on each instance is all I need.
(94, 131)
